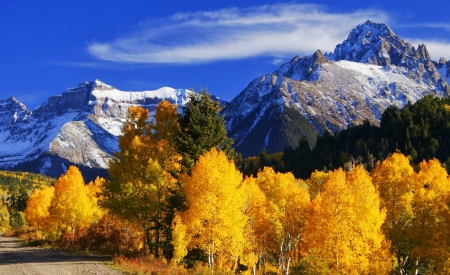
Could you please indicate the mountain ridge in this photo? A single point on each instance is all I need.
(335, 90)
(79, 126)
(369, 71)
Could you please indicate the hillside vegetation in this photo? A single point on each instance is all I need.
(175, 195)
(15, 187)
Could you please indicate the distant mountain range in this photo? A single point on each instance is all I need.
(369, 71)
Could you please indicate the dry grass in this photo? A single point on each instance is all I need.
(142, 266)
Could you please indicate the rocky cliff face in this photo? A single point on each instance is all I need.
(376, 43)
(79, 126)
(371, 70)
(443, 67)
(12, 112)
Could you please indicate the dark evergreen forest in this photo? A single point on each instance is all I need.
(420, 131)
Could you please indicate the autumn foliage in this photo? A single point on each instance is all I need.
(192, 207)
(69, 206)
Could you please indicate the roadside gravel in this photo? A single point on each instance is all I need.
(15, 258)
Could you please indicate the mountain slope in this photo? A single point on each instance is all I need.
(79, 126)
(368, 72)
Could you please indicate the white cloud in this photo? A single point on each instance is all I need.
(445, 26)
(279, 31)
(436, 48)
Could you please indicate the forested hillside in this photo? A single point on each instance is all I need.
(420, 131)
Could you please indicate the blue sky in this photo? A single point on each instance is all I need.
(48, 46)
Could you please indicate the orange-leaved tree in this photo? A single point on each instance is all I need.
(256, 249)
(143, 174)
(36, 212)
(215, 220)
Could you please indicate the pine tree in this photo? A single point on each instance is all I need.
(202, 128)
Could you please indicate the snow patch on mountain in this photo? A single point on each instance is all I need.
(80, 126)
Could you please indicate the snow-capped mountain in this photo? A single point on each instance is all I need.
(79, 126)
(369, 71)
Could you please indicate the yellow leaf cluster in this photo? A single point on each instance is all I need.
(344, 221)
(417, 221)
(69, 205)
(215, 220)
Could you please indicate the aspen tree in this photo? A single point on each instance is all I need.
(343, 228)
(215, 220)
(142, 174)
(71, 206)
(38, 203)
(279, 227)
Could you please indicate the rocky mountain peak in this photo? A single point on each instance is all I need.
(302, 68)
(13, 111)
(442, 60)
(99, 85)
(376, 43)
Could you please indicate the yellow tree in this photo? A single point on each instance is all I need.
(256, 228)
(315, 183)
(38, 203)
(179, 239)
(143, 174)
(94, 189)
(215, 220)
(71, 206)
(343, 228)
(279, 227)
(394, 180)
(4, 216)
(429, 230)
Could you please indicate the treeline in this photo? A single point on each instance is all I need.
(419, 131)
(29, 180)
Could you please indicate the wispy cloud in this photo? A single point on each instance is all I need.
(278, 31)
(79, 64)
(445, 26)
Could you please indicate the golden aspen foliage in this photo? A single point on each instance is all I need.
(215, 218)
(394, 180)
(94, 189)
(143, 174)
(256, 228)
(165, 122)
(71, 206)
(179, 239)
(429, 230)
(315, 183)
(343, 228)
(4, 216)
(38, 203)
(285, 210)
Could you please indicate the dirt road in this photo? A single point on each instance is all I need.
(18, 259)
